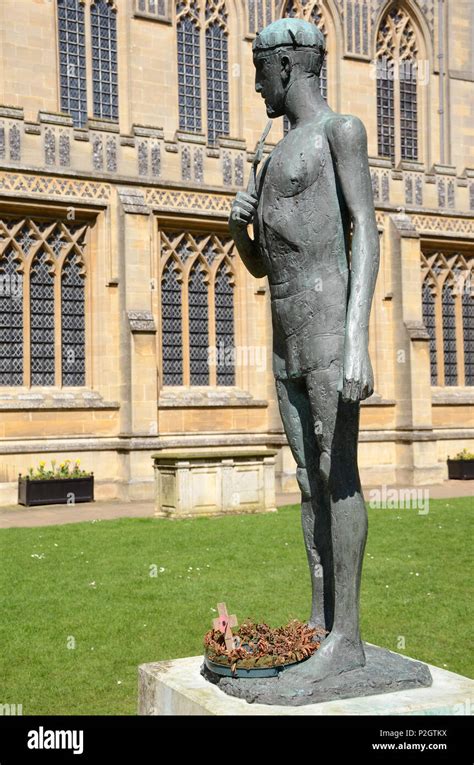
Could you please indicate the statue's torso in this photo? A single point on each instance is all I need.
(300, 228)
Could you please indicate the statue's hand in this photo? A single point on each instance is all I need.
(358, 377)
(243, 210)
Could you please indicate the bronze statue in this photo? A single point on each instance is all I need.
(316, 239)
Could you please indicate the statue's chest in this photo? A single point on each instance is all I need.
(294, 168)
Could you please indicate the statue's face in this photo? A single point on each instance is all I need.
(270, 82)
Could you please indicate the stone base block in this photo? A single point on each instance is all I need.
(207, 482)
(178, 688)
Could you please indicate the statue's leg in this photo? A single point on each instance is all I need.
(315, 515)
(339, 424)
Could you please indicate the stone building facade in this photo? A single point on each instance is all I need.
(126, 128)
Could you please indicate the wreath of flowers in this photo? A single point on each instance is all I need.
(259, 646)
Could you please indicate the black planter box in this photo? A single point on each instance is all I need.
(461, 469)
(55, 491)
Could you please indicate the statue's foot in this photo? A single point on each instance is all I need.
(337, 654)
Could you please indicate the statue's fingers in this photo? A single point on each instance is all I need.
(243, 196)
(244, 205)
(367, 390)
(346, 389)
(237, 217)
(356, 390)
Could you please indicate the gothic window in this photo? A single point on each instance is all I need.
(75, 36)
(396, 76)
(104, 59)
(42, 302)
(202, 26)
(197, 309)
(72, 60)
(309, 10)
(448, 315)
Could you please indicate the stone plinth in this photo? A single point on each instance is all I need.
(177, 688)
(205, 482)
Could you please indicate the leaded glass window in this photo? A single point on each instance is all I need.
(217, 67)
(73, 323)
(189, 65)
(408, 113)
(171, 325)
(11, 319)
(429, 319)
(104, 59)
(396, 75)
(42, 353)
(224, 313)
(385, 117)
(468, 333)
(50, 253)
(197, 282)
(72, 60)
(449, 336)
(202, 25)
(198, 312)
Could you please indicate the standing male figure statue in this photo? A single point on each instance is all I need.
(312, 188)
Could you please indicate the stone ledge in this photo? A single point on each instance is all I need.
(452, 398)
(32, 401)
(181, 399)
(187, 455)
(177, 688)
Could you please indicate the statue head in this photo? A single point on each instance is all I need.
(283, 53)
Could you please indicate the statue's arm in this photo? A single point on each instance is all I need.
(242, 213)
(244, 209)
(348, 141)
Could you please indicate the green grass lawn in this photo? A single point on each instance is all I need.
(89, 584)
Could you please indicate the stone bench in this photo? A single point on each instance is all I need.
(193, 482)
